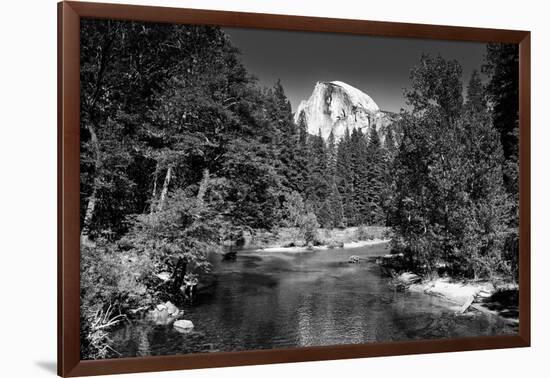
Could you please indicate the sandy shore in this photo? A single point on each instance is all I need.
(350, 245)
(464, 296)
(457, 292)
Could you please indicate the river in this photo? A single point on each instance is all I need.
(276, 300)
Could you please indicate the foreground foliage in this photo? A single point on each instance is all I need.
(182, 153)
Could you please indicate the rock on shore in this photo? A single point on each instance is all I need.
(462, 294)
(164, 313)
(183, 325)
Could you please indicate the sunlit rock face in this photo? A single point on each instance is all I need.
(335, 106)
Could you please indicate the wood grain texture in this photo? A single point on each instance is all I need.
(68, 189)
(296, 23)
(69, 14)
(525, 189)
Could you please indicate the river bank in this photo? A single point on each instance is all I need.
(278, 300)
(301, 249)
(467, 296)
(289, 240)
(462, 296)
(296, 298)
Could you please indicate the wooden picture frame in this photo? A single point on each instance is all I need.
(69, 15)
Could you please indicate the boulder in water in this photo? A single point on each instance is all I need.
(183, 325)
(161, 307)
(171, 308)
(164, 313)
(354, 259)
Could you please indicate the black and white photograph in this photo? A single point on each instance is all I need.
(250, 189)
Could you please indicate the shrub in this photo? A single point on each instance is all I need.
(309, 228)
(511, 253)
(293, 209)
(112, 282)
(363, 233)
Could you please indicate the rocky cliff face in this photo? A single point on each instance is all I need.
(335, 106)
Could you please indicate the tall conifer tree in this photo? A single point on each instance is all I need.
(318, 185)
(360, 169)
(344, 178)
(375, 179)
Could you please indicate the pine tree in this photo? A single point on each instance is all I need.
(486, 228)
(502, 67)
(375, 179)
(286, 137)
(390, 144)
(344, 178)
(389, 153)
(336, 208)
(360, 172)
(318, 186)
(475, 101)
(331, 155)
(333, 200)
(300, 149)
(449, 203)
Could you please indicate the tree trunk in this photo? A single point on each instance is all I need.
(85, 229)
(154, 194)
(165, 188)
(179, 274)
(203, 186)
(92, 200)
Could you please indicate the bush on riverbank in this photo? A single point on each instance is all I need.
(308, 228)
(112, 282)
(370, 232)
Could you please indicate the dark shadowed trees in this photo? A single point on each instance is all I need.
(317, 190)
(502, 67)
(450, 206)
(182, 152)
(344, 178)
(375, 179)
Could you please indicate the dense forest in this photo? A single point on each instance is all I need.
(183, 151)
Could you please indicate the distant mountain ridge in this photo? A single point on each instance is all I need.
(336, 106)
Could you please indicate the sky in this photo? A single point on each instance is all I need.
(379, 66)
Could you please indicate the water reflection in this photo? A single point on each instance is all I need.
(285, 300)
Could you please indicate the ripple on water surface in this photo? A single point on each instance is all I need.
(278, 300)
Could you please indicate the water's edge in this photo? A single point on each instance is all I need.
(267, 300)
